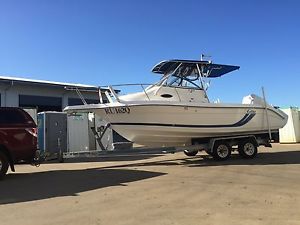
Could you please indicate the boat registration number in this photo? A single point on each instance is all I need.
(117, 110)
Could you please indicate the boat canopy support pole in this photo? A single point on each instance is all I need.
(202, 82)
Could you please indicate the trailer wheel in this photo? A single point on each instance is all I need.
(3, 165)
(221, 151)
(190, 153)
(248, 149)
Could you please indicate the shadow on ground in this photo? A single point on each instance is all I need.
(43, 185)
(270, 158)
(106, 158)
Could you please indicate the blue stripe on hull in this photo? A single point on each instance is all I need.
(246, 119)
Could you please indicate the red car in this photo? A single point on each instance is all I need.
(18, 138)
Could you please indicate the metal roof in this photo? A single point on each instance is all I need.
(211, 69)
(47, 83)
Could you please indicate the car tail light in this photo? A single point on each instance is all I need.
(32, 131)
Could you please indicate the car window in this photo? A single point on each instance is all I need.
(11, 117)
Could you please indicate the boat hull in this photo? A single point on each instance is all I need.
(177, 125)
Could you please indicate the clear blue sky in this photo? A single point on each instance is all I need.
(110, 42)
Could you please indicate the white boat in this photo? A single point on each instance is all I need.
(176, 111)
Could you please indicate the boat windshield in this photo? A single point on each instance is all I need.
(183, 82)
(183, 77)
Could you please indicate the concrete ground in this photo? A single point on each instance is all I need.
(166, 189)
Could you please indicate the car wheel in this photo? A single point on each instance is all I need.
(3, 164)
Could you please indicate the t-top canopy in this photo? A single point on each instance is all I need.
(185, 67)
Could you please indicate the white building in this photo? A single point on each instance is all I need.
(39, 96)
(290, 133)
(44, 95)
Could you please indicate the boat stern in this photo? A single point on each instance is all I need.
(283, 116)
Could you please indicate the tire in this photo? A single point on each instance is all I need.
(248, 149)
(221, 151)
(190, 153)
(4, 164)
